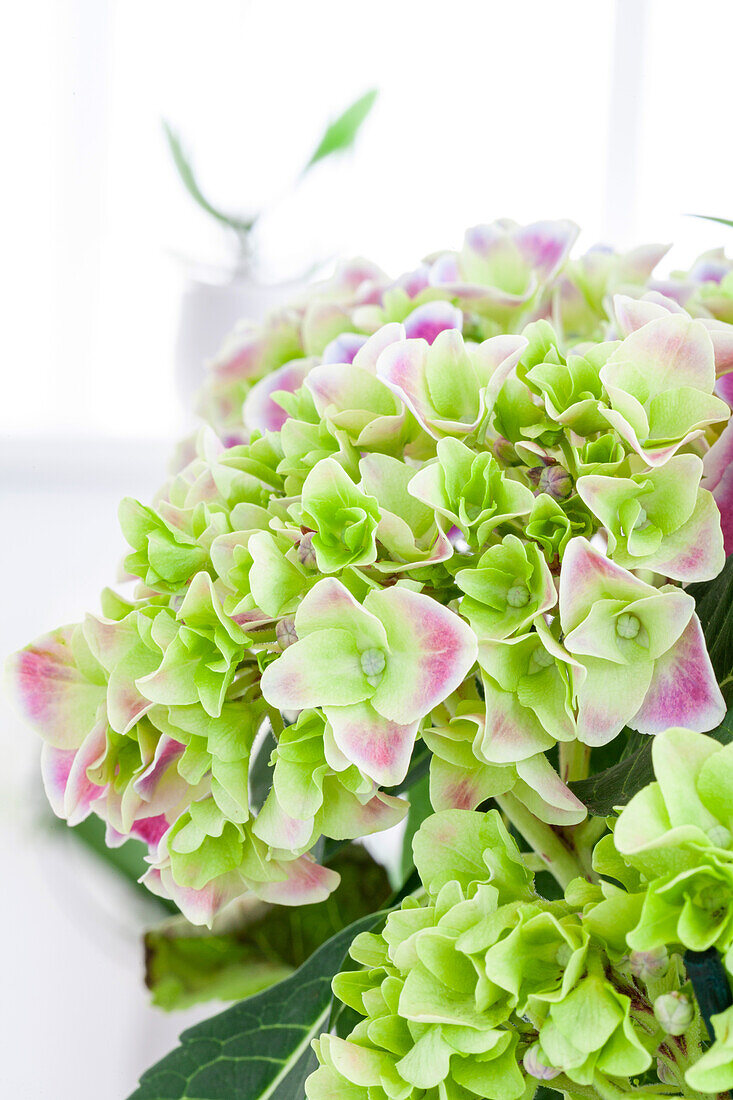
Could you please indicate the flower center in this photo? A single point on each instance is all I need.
(518, 595)
(627, 625)
(372, 663)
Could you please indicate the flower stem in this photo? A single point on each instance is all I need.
(574, 760)
(559, 860)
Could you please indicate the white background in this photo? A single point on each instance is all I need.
(614, 114)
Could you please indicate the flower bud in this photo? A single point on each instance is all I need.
(504, 452)
(536, 1066)
(664, 1073)
(306, 553)
(556, 482)
(646, 965)
(674, 1012)
(285, 633)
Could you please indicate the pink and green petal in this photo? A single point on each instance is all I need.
(430, 652)
(586, 576)
(306, 883)
(52, 694)
(543, 792)
(683, 690)
(261, 412)
(609, 697)
(343, 348)
(718, 478)
(512, 732)
(321, 669)
(379, 747)
(344, 816)
(81, 792)
(330, 605)
(432, 318)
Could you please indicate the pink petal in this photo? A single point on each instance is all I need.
(402, 367)
(431, 649)
(55, 767)
(343, 348)
(454, 788)
(356, 275)
(587, 576)
(444, 270)
(672, 351)
(306, 884)
(718, 477)
(368, 355)
(608, 698)
(428, 320)
(634, 313)
(330, 606)
(377, 746)
(724, 385)
(51, 693)
(150, 830)
(278, 829)
(546, 244)
(414, 282)
(512, 732)
(167, 752)
(683, 691)
(495, 360)
(260, 412)
(241, 354)
(80, 791)
(198, 906)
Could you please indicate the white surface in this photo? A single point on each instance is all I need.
(486, 109)
(76, 1023)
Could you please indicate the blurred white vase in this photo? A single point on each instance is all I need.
(212, 301)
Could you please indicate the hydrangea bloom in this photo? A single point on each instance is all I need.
(456, 507)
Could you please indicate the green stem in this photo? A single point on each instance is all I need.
(574, 761)
(559, 860)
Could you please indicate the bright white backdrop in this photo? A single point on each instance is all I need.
(614, 114)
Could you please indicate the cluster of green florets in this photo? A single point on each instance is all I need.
(478, 986)
(482, 988)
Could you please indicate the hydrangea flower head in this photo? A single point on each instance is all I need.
(459, 508)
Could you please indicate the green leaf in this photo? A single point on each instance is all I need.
(420, 808)
(341, 133)
(260, 772)
(254, 945)
(615, 786)
(258, 1049)
(242, 226)
(714, 600)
